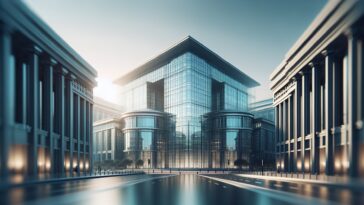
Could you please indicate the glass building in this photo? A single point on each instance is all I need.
(147, 133)
(188, 81)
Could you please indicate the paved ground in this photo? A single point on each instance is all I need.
(325, 192)
(186, 189)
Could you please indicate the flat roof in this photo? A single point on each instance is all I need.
(188, 44)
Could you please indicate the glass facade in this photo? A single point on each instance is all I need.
(146, 134)
(231, 134)
(187, 87)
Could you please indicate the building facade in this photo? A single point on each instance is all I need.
(318, 96)
(147, 134)
(108, 140)
(228, 136)
(107, 132)
(263, 109)
(187, 81)
(263, 145)
(46, 100)
(104, 110)
(263, 139)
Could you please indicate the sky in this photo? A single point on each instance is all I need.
(116, 36)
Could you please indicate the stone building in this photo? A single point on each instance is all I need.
(318, 96)
(46, 100)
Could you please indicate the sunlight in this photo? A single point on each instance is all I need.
(106, 90)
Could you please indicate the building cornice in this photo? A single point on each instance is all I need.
(22, 19)
(336, 17)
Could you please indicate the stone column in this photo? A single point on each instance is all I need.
(84, 137)
(289, 123)
(91, 161)
(315, 118)
(59, 114)
(33, 107)
(353, 106)
(329, 169)
(305, 113)
(47, 121)
(21, 88)
(284, 135)
(7, 90)
(276, 147)
(78, 130)
(69, 110)
(279, 135)
(297, 119)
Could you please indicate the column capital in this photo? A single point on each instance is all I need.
(60, 70)
(71, 77)
(304, 72)
(313, 64)
(48, 61)
(329, 52)
(33, 49)
(352, 32)
(6, 28)
(297, 77)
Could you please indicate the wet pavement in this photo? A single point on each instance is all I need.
(329, 193)
(185, 189)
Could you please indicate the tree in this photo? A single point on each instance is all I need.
(241, 162)
(126, 162)
(139, 163)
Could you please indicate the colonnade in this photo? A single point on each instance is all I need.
(319, 113)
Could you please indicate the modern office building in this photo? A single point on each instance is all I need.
(263, 139)
(263, 109)
(45, 100)
(148, 134)
(190, 82)
(227, 137)
(263, 145)
(318, 95)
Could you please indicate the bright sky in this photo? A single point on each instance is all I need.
(115, 36)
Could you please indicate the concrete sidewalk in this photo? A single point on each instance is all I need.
(332, 181)
(54, 180)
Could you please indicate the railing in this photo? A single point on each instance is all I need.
(294, 175)
(117, 172)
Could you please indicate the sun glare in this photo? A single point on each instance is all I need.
(106, 90)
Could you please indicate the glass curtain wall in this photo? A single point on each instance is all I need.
(187, 92)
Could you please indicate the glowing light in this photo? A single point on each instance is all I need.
(337, 164)
(87, 165)
(346, 164)
(81, 165)
(48, 164)
(106, 90)
(299, 165)
(67, 164)
(17, 159)
(307, 165)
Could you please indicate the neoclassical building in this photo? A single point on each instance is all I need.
(46, 100)
(318, 96)
(108, 141)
